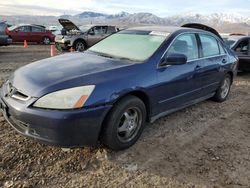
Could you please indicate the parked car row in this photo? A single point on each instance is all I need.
(81, 38)
(110, 91)
(30, 33)
(66, 37)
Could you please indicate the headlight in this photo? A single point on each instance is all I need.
(65, 99)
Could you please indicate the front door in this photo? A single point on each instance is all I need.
(177, 85)
(96, 34)
(22, 33)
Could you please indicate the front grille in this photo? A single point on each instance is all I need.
(20, 96)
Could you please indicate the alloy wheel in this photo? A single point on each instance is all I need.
(80, 46)
(130, 124)
(225, 87)
(46, 41)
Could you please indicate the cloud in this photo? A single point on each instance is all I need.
(161, 7)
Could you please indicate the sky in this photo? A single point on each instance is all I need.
(162, 8)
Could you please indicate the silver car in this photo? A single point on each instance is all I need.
(81, 38)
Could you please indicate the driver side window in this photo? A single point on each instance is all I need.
(24, 29)
(185, 44)
(99, 30)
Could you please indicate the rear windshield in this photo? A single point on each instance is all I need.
(132, 45)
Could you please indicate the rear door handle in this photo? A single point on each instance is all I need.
(224, 61)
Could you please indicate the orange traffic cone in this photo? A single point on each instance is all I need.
(72, 49)
(25, 44)
(52, 50)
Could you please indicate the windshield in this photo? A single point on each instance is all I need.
(137, 45)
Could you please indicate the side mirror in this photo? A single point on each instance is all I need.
(16, 30)
(174, 59)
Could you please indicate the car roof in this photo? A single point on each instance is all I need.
(30, 25)
(167, 29)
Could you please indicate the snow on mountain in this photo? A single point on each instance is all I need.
(148, 18)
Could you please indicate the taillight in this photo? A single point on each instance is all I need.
(6, 31)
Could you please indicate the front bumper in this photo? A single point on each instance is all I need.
(64, 44)
(72, 128)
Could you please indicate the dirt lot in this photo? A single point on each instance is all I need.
(206, 145)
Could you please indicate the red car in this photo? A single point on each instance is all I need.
(30, 33)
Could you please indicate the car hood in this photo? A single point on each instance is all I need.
(33, 79)
(68, 25)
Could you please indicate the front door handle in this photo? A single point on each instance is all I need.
(198, 67)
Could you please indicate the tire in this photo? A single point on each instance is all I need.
(223, 91)
(46, 40)
(79, 46)
(124, 124)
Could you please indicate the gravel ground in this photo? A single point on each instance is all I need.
(206, 145)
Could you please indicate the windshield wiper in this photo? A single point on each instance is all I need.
(109, 56)
(101, 54)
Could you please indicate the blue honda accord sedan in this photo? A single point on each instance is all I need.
(107, 94)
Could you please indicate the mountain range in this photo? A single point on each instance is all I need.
(222, 21)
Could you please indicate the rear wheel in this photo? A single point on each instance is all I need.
(224, 89)
(124, 124)
(46, 40)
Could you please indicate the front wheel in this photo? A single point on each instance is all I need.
(79, 46)
(124, 124)
(224, 89)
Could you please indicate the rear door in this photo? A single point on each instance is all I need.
(96, 34)
(37, 34)
(111, 30)
(209, 71)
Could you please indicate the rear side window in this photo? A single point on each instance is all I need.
(185, 44)
(37, 29)
(209, 45)
(111, 29)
